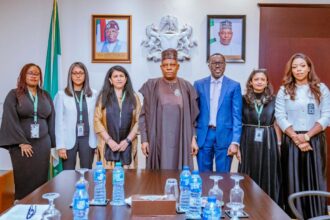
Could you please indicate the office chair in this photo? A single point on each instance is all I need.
(294, 196)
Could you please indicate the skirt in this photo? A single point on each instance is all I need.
(304, 171)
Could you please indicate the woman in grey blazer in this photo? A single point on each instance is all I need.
(74, 119)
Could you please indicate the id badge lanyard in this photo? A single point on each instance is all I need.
(259, 111)
(121, 108)
(80, 102)
(35, 107)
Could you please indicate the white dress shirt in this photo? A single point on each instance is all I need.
(215, 90)
(295, 112)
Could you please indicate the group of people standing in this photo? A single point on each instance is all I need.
(279, 140)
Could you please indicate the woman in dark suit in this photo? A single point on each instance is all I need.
(28, 130)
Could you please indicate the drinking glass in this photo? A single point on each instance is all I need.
(236, 197)
(235, 210)
(171, 189)
(51, 213)
(82, 179)
(216, 191)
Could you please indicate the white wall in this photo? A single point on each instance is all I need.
(24, 28)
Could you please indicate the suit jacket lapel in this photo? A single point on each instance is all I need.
(206, 86)
(224, 88)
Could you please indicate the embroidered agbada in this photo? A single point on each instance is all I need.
(167, 123)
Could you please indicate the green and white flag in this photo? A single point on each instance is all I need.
(212, 39)
(52, 72)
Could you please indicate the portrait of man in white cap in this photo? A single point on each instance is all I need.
(112, 43)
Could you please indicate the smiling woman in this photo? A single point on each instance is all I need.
(116, 115)
(260, 135)
(303, 113)
(74, 119)
(27, 130)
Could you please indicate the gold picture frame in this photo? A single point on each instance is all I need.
(111, 38)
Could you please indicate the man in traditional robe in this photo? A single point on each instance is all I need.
(167, 118)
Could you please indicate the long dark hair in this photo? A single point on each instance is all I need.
(289, 82)
(69, 86)
(21, 80)
(267, 95)
(108, 90)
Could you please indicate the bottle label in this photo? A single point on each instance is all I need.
(80, 204)
(184, 182)
(99, 176)
(118, 177)
(194, 186)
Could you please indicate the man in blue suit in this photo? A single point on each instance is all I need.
(219, 123)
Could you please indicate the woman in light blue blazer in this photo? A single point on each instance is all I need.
(74, 119)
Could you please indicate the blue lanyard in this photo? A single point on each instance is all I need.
(259, 111)
(35, 106)
(80, 102)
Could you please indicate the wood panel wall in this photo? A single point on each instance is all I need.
(289, 28)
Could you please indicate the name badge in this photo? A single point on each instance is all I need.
(311, 109)
(80, 129)
(258, 135)
(34, 130)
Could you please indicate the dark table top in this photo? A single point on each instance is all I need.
(257, 203)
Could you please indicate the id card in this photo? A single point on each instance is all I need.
(259, 134)
(80, 129)
(34, 130)
(310, 108)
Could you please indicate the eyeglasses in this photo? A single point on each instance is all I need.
(217, 63)
(33, 74)
(78, 73)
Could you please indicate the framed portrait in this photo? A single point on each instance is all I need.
(226, 35)
(111, 39)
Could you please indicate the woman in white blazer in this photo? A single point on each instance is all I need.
(74, 123)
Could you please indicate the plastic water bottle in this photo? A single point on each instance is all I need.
(184, 189)
(195, 207)
(99, 184)
(211, 210)
(118, 180)
(80, 203)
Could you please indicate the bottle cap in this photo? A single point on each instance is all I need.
(80, 186)
(195, 172)
(98, 163)
(185, 167)
(118, 164)
(211, 199)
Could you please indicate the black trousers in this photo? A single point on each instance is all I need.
(86, 154)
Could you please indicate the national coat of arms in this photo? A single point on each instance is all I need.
(168, 35)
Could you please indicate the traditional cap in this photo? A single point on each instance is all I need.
(112, 24)
(169, 54)
(226, 24)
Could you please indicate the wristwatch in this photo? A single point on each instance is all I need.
(128, 141)
(307, 138)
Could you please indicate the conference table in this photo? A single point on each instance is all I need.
(257, 203)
